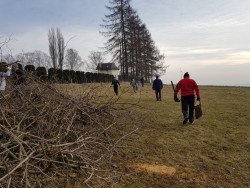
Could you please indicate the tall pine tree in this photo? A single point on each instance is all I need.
(130, 42)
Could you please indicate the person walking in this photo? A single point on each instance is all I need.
(133, 83)
(142, 81)
(187, 87)
(157, 86)
(5, 71)
(18, 80)
(115, 84)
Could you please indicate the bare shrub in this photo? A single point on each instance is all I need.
(46, 135)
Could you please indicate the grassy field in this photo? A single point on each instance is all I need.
(213, 152)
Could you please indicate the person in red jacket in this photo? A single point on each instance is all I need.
(187, 87)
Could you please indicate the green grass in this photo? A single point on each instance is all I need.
(214, 152)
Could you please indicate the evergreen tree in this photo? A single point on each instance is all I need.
(130, 42)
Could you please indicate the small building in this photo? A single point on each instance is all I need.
(108, 68)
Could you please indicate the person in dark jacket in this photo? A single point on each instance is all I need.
(157, 86)
(142, 81)
(187, 87)
(18, 75)
(115, 84)
(18, 81)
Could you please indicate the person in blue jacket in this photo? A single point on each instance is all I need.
(157, 86)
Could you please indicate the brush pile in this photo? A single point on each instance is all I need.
(46, 135)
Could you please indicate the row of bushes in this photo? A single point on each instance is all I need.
(66, 76)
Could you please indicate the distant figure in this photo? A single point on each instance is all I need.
(157, 86)
(18, 80)
(187, 87)
(142, 81)
(133, 83)
(5, 71)
(18, 75)
(115, 84)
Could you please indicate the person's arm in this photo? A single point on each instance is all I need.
(177, 89)
(7, 73)
(197, 90)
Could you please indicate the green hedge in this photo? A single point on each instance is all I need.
(68, 76)
(72, 75)
(79, 77)
(55, 75)
(30, 68)
(41, 72)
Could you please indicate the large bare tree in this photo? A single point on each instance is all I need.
(61, 47)
(5, 51)
(53, 46)
(95, 58)
(56, 47)
(73, 60)
(36, 58)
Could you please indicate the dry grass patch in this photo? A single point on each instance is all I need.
(158, 169)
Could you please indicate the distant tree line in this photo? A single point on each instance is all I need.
(130, 42)
(41, 65)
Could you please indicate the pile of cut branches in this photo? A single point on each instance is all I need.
(46, 135)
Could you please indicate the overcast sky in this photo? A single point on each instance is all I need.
(210, 39)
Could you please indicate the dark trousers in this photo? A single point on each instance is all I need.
(1, 96)
(116, 90)
(187, 104)
(158, 94)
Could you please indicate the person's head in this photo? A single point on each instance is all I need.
(3, 66)
(186, 75)
(15, 66)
